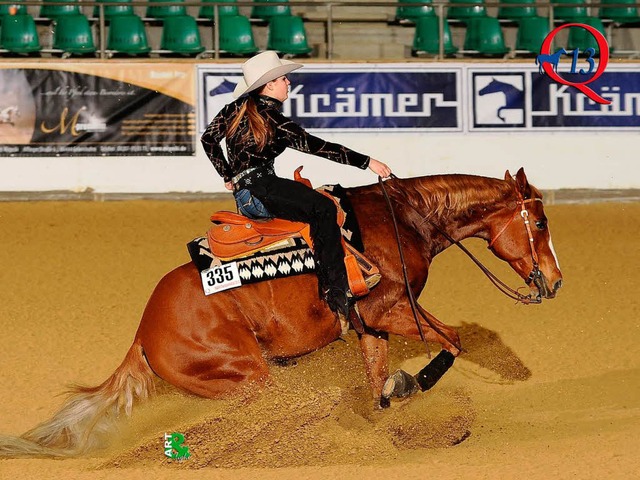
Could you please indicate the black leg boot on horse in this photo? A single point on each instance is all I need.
(402, 384)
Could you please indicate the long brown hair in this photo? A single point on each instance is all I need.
(259, 129)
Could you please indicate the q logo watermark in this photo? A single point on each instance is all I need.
(549, 62)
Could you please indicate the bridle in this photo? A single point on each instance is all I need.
(535, 275)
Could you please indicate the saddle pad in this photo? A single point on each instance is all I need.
(288, 258)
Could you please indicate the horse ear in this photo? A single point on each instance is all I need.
(523, 184)
(507, 176)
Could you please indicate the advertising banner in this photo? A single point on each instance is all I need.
(522, 99)
(452, 98)
(563, 107)
(352, 98)
(94, 109)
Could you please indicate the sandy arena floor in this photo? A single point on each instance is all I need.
(546, 391)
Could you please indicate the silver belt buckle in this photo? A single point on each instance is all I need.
(242, 174)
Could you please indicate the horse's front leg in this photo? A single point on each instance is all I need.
(400, 321)
(375, 352)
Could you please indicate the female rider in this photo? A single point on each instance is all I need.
(256, 133)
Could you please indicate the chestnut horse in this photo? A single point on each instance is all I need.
(212, 345)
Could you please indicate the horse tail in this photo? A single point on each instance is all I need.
(87, 415)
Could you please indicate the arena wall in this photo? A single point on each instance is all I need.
(594, 159)
(552, 161)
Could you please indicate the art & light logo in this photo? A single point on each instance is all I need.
(174, 447)
(548, 61)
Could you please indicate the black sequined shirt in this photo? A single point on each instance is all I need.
(286, 133)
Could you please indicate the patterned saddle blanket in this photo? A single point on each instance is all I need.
(238, 251)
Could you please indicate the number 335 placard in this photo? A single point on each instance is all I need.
(219, 278)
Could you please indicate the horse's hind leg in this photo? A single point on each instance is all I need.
(211, 366)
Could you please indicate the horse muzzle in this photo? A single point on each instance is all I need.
(540, 285)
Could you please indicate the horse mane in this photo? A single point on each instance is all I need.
(454, 195)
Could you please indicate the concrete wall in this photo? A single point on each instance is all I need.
(552, 161)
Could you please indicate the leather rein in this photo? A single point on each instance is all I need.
(500, 285)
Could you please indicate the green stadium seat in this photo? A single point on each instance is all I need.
(156, 9)
(581, 39)
(113, 10)
(426, 38)
(180, 35)
(577, 10)
(531, 33)
(236, 36)
(288, 36)
(622, 14)
(19, 34)
(507, 12)
(66, 7)
(412, 13)
(264, 10)
(464, 13)
(484, 35)
(73, 35)
(207, 11)
(127, 36)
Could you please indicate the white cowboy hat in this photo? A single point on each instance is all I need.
(262, 69)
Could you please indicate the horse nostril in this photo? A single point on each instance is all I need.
(557, 285)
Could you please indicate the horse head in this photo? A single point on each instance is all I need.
(492, 87)
(519, 234)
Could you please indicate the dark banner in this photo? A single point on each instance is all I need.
(353, 98)
(523, 99)
(372, 100)
(50, 112)
(563, 106)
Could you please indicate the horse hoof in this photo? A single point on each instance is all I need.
(399, 385)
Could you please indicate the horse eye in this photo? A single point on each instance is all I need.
(541, 224)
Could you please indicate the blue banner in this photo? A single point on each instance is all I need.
(372, 100)
(523, 99)
(354, 98)
(562, 106)
(452, 98)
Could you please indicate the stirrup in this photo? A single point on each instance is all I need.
(372, 280)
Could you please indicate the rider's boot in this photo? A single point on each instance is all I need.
(343, 304)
